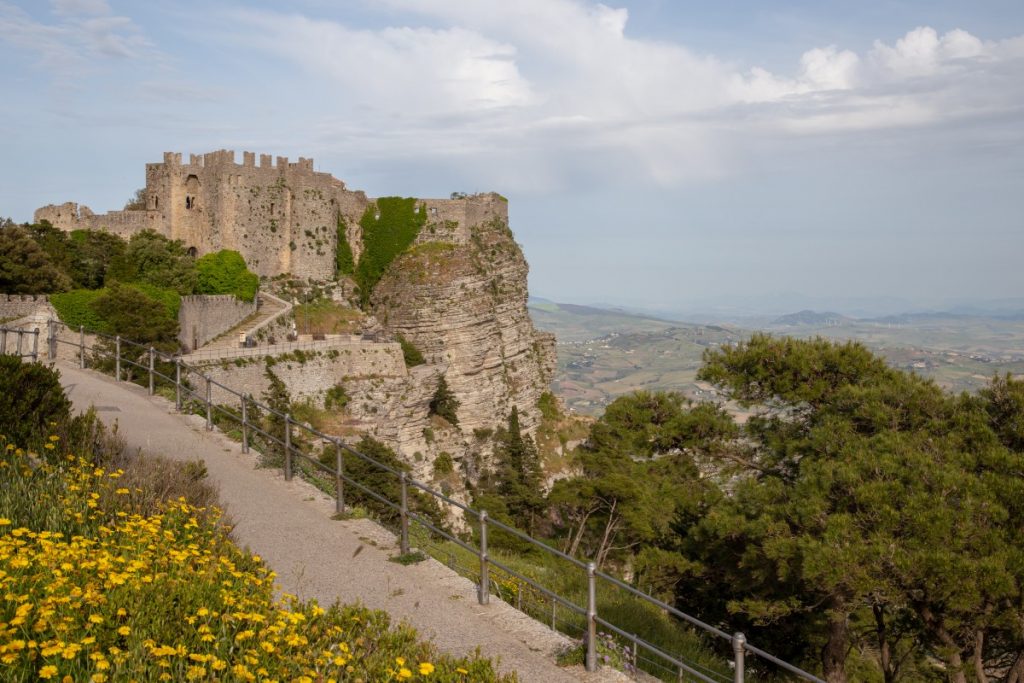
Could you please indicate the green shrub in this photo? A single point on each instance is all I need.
(31, 400)
(86, 307)
(225, 272)
(384, 238)
(444, 404)
(548, 406)
(411, 354)
(75, 308)
(444, 464)
(336, 397)
(152, 258)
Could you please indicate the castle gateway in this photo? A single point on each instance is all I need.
(282, 217)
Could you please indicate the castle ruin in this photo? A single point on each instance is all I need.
(281, 216)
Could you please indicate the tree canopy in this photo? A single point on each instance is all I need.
(225, 272)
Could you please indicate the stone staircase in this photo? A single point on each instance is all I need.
(269, 309)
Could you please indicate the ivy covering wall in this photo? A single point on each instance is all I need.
(389, 227)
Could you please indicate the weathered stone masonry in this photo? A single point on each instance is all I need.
(281, 216)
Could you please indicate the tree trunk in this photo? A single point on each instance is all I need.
(575, 545)
(884, 652)
(833, 655)
(609, 534)
(979, 659)
(954, 660)
(1016, 674)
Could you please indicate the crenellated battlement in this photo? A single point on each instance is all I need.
(226, 158)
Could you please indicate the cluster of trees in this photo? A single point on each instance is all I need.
(864, 522)
(108, 284)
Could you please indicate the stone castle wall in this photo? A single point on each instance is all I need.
(20, 305)
(202, 318)
(280, 215)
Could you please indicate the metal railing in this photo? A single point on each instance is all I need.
(582, 619)
(24, 342)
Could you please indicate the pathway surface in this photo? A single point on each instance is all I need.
(289, 524)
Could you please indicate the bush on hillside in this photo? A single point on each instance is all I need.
(31, 399)
(225, 272)
(153, 259)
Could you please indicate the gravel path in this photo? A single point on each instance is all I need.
(289, 525)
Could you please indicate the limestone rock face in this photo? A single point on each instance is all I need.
(462, 303)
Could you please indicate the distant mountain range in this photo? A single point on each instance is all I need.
(1003, 309)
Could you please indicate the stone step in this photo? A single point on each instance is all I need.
(229, 340)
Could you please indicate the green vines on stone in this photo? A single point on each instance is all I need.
(344, 262)
(389, 227)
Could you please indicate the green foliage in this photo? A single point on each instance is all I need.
(443, 464)
(519, 476)
(225, 272)
(139, 312)
(384, 483)
(336, 397)
(31, 400)
(870, 509)
(92, 252)
(136, 316)
(344, 262)
(548, 406)
(75, 308)
(25, 267)
(153, 259)
(411, 354)
(444, 404)
(384, 238)
(279, 401)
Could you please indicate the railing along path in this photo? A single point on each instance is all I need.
(127, 354)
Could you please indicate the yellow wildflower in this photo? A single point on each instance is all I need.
(48, 671)
(426, 668)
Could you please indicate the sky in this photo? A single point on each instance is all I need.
(663, 154)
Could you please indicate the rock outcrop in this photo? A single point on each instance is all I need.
(460, 298)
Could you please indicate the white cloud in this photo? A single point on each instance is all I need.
(567, 76)
(85, 33)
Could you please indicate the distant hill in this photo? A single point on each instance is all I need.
(807, 317)
(574, 322)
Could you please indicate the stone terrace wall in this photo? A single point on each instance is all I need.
(20, 305)
(310, 378)
(205, 317)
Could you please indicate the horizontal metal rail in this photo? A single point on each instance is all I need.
(145, 362)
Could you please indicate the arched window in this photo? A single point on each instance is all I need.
(193, 252)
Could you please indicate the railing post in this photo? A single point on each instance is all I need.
(339, 479)
(35, 345)
(591, 661)
(738, 643)
(3, 341)
(245, 423)
(484, 594)
(117, 358)
(209, 403)
(81, 346)
(51, 339)
(21, 333)
(403, 513)
(177, 384)
(288, 447)
(152, 359)
(554, 612)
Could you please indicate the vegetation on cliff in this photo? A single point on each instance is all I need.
(344, 262)
(389, 227)
(118, 568)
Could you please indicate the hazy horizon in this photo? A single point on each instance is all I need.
(655, 154)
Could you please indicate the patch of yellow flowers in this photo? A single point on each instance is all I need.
(98, 592)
